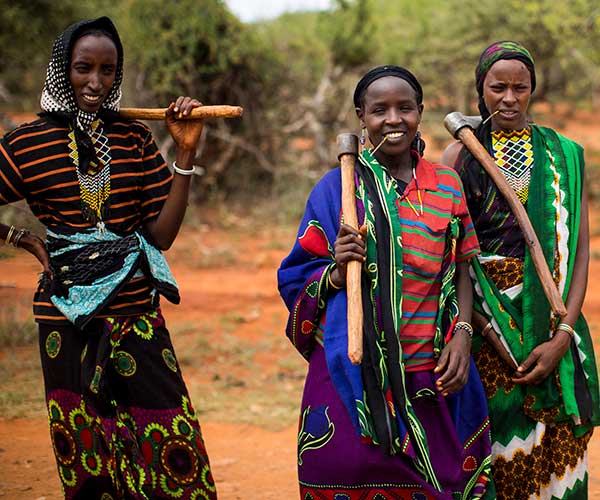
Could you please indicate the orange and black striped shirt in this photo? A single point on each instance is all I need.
(35, 166)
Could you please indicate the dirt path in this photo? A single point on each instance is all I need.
(249, 461)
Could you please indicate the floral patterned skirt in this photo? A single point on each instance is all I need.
(121, 421)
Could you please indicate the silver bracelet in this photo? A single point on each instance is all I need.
(183, 171)
(17, 238)
(566, 328)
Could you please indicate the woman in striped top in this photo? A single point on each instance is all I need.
(121, 420)
(411, 421)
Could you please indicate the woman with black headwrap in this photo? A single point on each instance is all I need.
(542, 386)
(121, 421)
(411, 421)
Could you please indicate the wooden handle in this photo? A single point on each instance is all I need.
(471, 142)
(353, 271)
(203, 112)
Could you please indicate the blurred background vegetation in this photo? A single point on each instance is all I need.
(295, 75)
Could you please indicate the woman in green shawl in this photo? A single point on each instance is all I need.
(541, 381)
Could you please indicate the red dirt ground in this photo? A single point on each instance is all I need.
(248, 461)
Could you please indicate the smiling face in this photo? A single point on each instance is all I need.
(507, 89)
(93, 70)
(390, 109)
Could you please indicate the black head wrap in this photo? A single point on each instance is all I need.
(399, 72)
(381, 72)
(58, 97)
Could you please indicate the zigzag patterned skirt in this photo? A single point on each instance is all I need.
(121, 421)
(532, 457)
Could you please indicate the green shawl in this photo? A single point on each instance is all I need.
(554, 207)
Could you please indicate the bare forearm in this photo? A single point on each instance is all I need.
(464, 292)
(165, 227)
(186, 134)
(479, 321)
(4, 230)
(579, 279)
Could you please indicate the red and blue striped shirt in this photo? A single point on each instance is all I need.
(423, 243)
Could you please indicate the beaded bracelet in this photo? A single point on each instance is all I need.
(184, 171)
(463, 325)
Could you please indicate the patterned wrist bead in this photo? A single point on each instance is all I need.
(463, 325)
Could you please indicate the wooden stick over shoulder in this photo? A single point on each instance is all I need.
(201, 113)
(348, 152)
(460, 128)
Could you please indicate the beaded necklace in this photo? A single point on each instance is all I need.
(513, 152)
(94, 185)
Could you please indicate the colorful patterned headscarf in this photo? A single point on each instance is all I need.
(505, 49)
(58, 97)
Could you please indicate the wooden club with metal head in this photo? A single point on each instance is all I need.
(461, 128)
(348, 153)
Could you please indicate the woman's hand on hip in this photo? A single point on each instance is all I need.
(349, 245)
(36, 247)
(453, 364)
(186, 133)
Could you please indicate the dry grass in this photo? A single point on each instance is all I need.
(21, 386)
(17, 327)
(229, 380)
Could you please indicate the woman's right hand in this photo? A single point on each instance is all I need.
(349, 245)
(36, 247)
(185, 133)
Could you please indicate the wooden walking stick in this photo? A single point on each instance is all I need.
(348, 152)
(203, 112)
(460, 127)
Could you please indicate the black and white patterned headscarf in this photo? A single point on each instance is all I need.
(58, 97)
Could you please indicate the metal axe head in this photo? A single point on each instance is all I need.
(456, 120)
(347, 145)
